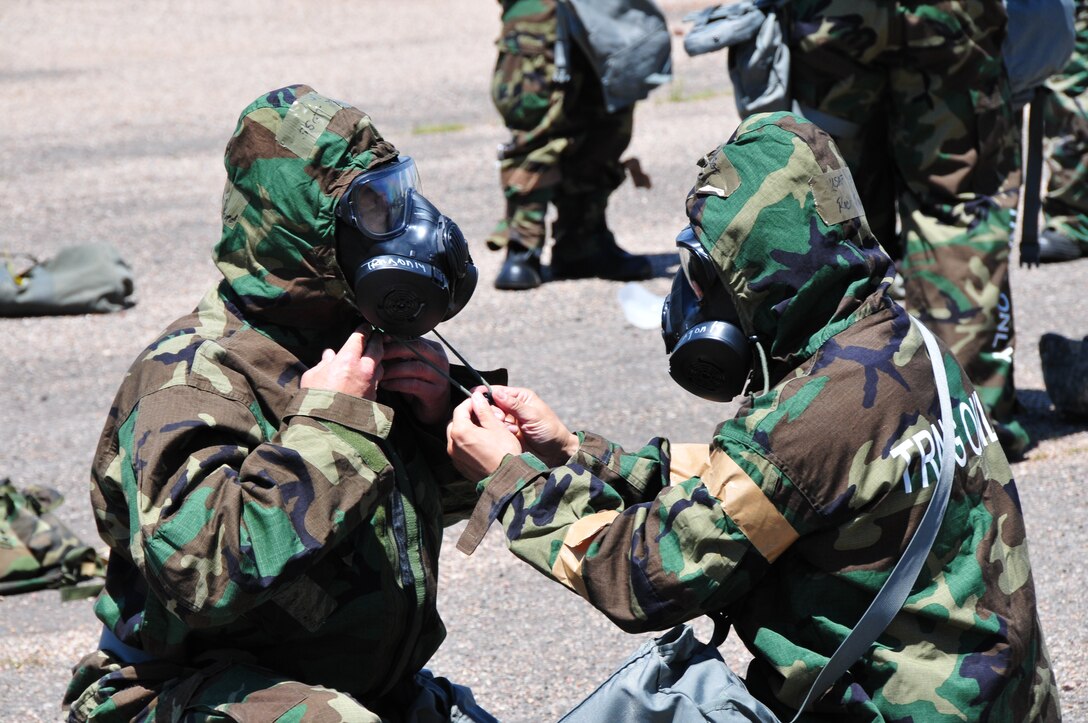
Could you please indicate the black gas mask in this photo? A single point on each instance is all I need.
(408, 265)
(709, 354)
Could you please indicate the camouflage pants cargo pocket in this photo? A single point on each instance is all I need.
(522, 85)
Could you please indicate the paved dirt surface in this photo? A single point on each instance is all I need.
(117, 116)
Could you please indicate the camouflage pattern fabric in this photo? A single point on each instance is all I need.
(243, 512)
(233, 687)
(933, 144)
(563, 140)
(37, 550)
(1065, 204)
(796, 521)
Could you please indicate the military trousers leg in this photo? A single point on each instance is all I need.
(1065, 202)
(563, 140)
(950, 146)
(106, 690)
(524, 92)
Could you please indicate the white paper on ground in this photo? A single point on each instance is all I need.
(641, 307)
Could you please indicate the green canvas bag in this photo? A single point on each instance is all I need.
(83, 279)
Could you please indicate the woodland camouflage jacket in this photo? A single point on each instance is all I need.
(299, 525)
(814, 488)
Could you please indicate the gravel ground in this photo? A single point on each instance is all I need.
(120, 112)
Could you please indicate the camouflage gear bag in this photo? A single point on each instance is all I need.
(37, 551)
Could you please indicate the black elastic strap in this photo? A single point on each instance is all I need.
(464, 390)
(1033, 181)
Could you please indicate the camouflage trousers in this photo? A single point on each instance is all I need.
(104, 690)
(1065, 204)
(917, 100)
(563, 140)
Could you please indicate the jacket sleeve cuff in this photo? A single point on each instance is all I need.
(636, 477)
(512, 476)
(592, 453)
(361, 415)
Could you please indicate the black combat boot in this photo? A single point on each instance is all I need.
(520, 270)
(585, 248)
(1065, 373)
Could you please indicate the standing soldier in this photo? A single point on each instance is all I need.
(565, 150)
(794, 523)
(915, 95)
(1065, 204)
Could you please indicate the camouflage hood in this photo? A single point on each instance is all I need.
(292, 156)
(776, 209)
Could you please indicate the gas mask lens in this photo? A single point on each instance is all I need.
(378, 202)
(696, 264)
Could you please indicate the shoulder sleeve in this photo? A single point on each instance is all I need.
(691, 548)
(223, 512)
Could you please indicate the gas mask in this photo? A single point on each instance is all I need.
(408, 265)
(709, 354)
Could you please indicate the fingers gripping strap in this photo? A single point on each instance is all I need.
(743, 500)
(568, 564)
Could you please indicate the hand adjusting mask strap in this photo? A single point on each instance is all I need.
(709, 354)
(408, 265)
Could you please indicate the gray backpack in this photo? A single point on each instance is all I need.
(627, 43)
(1039, 43)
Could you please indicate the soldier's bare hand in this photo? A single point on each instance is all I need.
(541, 431)
(356, 369)
(477, 439)
(427, 389)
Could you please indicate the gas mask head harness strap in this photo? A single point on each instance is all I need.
(709, 354)
(408, 265)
